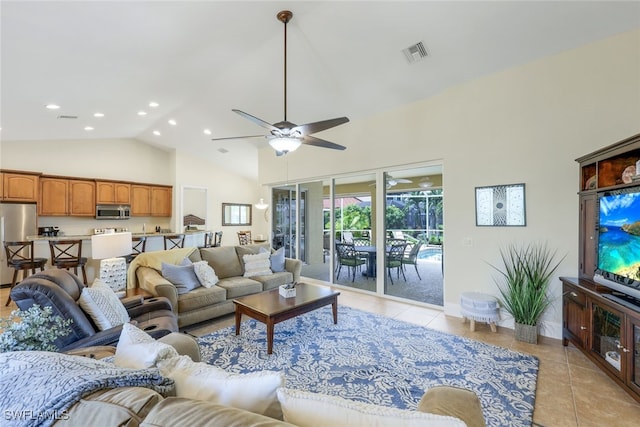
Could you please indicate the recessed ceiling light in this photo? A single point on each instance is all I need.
(98, 114)
(142, 113)
(172, 122)
(157, 133)
(52, 106)
(207, 132)
(153, 104)
(88, 128)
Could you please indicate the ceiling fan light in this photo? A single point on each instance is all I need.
(261, 205)
(285, 145)
(425, 184)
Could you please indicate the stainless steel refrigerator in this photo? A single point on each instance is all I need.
(17, 221)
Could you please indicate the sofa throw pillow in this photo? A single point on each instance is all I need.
(138, 350)
(103, 305)
(257, 265)
(306, 409)
(277, 260)
(205, 274)
(254, 392)
(181, 276)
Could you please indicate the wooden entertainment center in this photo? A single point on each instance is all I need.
(606, 331)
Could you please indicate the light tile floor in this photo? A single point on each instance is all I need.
(571, 390)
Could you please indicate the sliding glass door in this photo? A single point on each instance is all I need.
(379, 232)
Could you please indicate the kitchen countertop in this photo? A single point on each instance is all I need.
(88, 236)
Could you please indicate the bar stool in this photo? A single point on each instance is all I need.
(138, 246)
(208, 239)
(172, 241)
(67, 254)
(20, 258)
(244, 237)
(217, 240)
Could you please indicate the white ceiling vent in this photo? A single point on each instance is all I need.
(415, 53)
(67, 117)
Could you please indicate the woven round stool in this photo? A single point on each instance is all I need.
(479, 307)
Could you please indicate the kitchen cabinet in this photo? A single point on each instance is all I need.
(113, 193)
(161, 201)
(151, 200)
(140, 200)
(19, 187)
(67, 197)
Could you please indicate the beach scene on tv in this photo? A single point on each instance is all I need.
(619, 237)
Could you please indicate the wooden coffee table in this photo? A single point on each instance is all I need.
(271, 308)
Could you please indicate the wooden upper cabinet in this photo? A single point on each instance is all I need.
(111, 192)
(82, 196)
(67, 197)
(161, 201)
(54, 200)
(17, 187)
(140, 200)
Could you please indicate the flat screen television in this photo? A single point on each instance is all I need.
(619, 241)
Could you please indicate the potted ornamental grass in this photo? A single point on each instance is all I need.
(33, 329)
(523, 283)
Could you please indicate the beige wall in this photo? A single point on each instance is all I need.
(222, 187)
(526, 124)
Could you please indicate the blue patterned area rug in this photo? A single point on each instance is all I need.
(375, 359)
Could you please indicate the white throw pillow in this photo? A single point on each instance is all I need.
(257, 264)
(254, 392)
(138, 350)
(103, 306)
(205, 274)
(306, 409)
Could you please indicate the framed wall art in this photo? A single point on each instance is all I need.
(501, 206)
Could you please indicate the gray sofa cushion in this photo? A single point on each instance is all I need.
(224, 261)
(274, 280)
(239, 286)
(201, 297)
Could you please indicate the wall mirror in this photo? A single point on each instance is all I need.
(236, 214)
(194, 207)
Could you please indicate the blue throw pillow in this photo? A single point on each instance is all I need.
(183, 277)
(277, 261)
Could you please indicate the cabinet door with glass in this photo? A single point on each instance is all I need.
(607, 339)
(633, 353)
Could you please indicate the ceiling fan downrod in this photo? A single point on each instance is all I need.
(285, 16)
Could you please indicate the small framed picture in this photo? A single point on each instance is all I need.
(501, 206)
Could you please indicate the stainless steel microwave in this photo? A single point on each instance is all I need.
(113, 212)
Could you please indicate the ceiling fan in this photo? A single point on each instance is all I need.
(392, 182)
(286, 136)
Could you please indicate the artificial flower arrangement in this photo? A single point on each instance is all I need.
(33, 329)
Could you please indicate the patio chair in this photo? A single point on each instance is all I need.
(349, 257)
(347, 237)
(410, 256)
(394, 260)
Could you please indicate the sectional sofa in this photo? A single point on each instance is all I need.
(233, 280)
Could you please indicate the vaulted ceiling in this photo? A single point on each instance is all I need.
(198, 60)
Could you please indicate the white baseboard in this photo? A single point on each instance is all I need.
(547, 328)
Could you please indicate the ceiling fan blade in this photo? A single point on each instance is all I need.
(239, 137)
(314, 127)
(317, 142)
(257, 121)
(403, 181)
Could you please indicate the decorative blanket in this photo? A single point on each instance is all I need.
(154, 260)
(39, 387)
